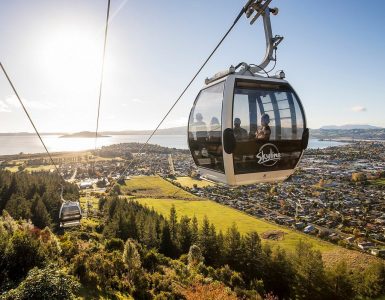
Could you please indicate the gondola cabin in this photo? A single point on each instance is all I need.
(70, 214)
(245, 129)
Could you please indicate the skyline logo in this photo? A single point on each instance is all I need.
(268, 155)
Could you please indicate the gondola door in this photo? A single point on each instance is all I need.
(205, 132)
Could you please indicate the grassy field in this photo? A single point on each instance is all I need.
(154, 187)
(189, 182)
(94, 201)
(378, 182)
(223, 217)
(13, 169)
(40, 168)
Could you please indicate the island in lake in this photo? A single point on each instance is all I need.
(83, 134)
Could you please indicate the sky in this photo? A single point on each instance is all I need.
(333, 55)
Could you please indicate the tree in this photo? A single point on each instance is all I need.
(233, 247)
(18, 207)
(131, 257)
(340, 282)
(310, 280)
(40, 216)
(358, 176)
(252, 264)
(166, 247)
(371, 282)
(195, 256)
(278, 273)
(185, 234)
(116, 190)
(22, 254)
(173, 223)
(194, 230)
(207, 241)
(45, 284)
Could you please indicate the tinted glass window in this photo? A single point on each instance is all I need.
(268, 124)
(205, 130)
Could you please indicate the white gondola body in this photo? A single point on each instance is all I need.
(251, 160)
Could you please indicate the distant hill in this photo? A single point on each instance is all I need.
(182, 130)
(83, 134)
(349, 127)
(348, 134)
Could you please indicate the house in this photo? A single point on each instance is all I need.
(378, 252)
(309, 229)
(299, 225)
(365, 245)
(350, 239)
(85, 185)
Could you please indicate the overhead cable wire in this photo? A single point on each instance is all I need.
(30, 119)
(243, 10)
(102, 71)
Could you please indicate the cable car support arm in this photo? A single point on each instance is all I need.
(255, 9)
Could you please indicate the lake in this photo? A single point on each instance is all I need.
(31, 144)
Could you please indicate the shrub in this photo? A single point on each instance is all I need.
(22, 254)
(44, 284)
(114, 244)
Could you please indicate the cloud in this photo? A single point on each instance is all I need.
(12, 101)
(4, 107)
(358, 108)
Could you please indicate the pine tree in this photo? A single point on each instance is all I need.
(185, 234)
(166, 247)
(173, 223)
(215, 250)
(207, 242)
(19, 207)
(12, 189)
(309, 272)
(341, 282)
(233, 247)
(40, 216)
(278, 273)
(194, 231)
(252, 264)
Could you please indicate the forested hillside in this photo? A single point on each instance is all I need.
(34, 197)
(129, 251)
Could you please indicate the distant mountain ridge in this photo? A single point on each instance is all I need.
(369, 131)
(349, 127)
(182, 130)
(83, 134)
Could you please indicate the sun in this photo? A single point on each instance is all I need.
(71, 57)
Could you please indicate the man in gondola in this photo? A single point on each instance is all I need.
(239, 132)
(200, 128)
(264, 132)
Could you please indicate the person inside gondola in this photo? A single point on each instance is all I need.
(215, 130)
(239, 132)
(214, 142)
(263, 133)
(200, 128)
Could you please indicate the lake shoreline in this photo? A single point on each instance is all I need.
(30, 145)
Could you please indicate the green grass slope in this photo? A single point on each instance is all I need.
(150, 188)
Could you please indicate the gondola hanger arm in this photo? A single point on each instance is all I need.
(256, 9)
(61, 194)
